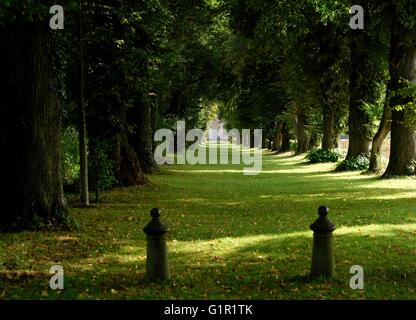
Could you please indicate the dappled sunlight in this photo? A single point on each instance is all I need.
(207, 171)
(399, 195)
(225, 225)
(377, 230)
(228, 245)
(295, 197)
(405, 183)
(305, 169)
(66, 238)
(338, 175)
(192, 200)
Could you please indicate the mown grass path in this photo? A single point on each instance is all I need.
(232, 237)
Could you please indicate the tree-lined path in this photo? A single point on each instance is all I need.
(232, 236)
(91, 87)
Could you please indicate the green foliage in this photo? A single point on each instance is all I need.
(70, 156)
(25, 10)
(207, 113)
(407, 92)
(322, 156)
(293, 145)
(358, 163)
(6, 3)
(101, 167)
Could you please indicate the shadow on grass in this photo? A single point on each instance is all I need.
(229, 238)
(261, 266)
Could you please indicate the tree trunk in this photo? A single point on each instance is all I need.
(277, 138)
(127, 164)
(329, 139)
(302, 135)
(142, 141)
(285, 138)
(155, 120)
(358, 144)
(402, 66)
(382, 132)
(83, 148)
(30, 129)
(314, 141)
(358, 124)
(363, 88)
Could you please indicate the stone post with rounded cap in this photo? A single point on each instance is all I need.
(157, 264)
(323, 264)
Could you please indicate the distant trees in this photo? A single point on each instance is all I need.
(333, 78)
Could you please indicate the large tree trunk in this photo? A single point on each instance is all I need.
(30, 126)
(382, 132)
(127, 167)
(402, 66)
(329, 50)
(83, 149)
(302, 135)
(314, 140)
(329, 139)
(358, 124)
(363, 88)
(155, 120)
(126, 162)
(142, 141)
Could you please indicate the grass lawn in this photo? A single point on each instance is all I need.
(232, 237)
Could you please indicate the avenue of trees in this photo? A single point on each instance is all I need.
(95, 92)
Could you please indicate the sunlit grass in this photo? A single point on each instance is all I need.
(231, 237)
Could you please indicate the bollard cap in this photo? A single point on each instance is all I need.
(323, 211)
(155, 227)
(323, 224)
(155, 213)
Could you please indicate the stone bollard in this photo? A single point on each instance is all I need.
(322, 253)
(157, 264)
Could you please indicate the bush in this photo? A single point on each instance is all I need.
(321, 156)
(358, 163)
(70, 157)
(101, 175)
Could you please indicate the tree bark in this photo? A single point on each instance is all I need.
(329, 139)
(30, 129)
(363, 88)
(329, 51)
(314, 140)
(285, 138)
(142, 140)
(302, 135)
(402, 66)
(83, 148)
(278, 138)
(358, 122)
(127, 164)
(382, 132)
